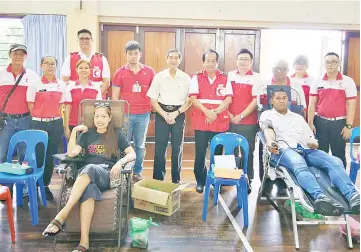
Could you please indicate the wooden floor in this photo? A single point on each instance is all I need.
(185, 231)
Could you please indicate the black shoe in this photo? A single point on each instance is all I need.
(355, 203)
(249, 188)
(199, 188)
(48, 193)
(328, 207)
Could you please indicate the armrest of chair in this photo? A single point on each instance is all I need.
(66, 159)
(128, 167)
(261, 137)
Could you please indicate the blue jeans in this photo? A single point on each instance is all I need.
(137, 131)
(298, 164)
(10, 128)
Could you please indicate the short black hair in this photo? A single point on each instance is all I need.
(208, 52)
(174, 50)
(332, 54)
(132, 45)
(245, 50)
(48, 56)
(278, 90)
(85, 31)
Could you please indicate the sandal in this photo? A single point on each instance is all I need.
(80, 248)
(56, 223)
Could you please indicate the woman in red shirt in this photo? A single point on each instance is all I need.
(45, 100)
(76, 92)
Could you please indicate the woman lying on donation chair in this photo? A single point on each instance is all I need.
(100, 144)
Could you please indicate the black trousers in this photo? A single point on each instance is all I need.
(162, 132)
(202, 139)
(328, 134)
(249, 132)
(55, 130)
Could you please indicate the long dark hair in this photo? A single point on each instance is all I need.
(110, 136)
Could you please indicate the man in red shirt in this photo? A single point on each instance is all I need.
(332, 108)
(16, 112)
(246, 84)
(99, 72)
(211, 96)
(131, 83)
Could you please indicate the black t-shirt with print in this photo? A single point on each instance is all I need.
(92, 143)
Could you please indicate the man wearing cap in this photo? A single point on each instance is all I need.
(300, 66)
(99, 72)
(332, 108)
(15, 115)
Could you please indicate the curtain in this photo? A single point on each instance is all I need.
(44, 35)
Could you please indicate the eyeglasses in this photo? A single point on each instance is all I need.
(280, 69)
(102, 104)
(49, 64)
(85, 39)
(333, 62)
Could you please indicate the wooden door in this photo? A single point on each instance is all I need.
(352, 66)
(157, 42)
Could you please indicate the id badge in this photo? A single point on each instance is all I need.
(136, 88)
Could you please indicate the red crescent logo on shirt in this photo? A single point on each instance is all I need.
(221, 91)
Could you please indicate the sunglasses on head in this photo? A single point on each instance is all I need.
(102, 104)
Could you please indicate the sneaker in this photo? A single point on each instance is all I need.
(25, 192)
(137, 177)
(354, 203)
(48, 194)
(327, 207)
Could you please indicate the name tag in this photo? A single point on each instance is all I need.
(136, 88)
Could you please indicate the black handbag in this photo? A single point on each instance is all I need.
(2, 119)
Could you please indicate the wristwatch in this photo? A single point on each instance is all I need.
(348, 125)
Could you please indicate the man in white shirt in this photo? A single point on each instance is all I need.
(100, 71)
(292, 144)
(169, 96)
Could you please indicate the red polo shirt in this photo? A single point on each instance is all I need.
(76, 93)
(17, 103)
(245, 89)
(134, 87)
(47, 97)
(333, 94)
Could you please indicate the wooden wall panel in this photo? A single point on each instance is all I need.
(116, 43)
(157, 44)
(353, 70)
(195, 44)
(232, 44)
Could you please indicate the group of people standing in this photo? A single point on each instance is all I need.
(221, 102)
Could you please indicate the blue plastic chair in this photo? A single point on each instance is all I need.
(229, 141)
(355, 164)
(31, 138)
(65, 144)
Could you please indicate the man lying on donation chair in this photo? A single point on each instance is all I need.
(100, 145)
(292, 145)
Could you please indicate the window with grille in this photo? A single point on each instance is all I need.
(11, 31)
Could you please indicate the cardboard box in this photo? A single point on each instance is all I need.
(157, 196)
